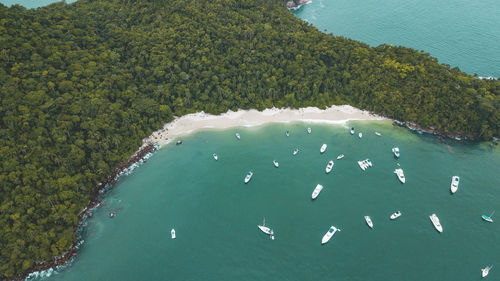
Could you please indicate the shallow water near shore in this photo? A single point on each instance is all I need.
(216, 215)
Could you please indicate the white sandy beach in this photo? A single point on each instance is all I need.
(192, 122)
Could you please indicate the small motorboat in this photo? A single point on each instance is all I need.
(360, 135)
(329, 166)
(435, 221)
(248, 177)
(352, 130)
(265, 229)
(215, 157)
(238, 136)
(378, 134)
(400, 174)
(316, 191)
(287, 133)
(395, 151)
(295, 151)
(369, 162)
(485, 271)
(178, 142)
(395, 215)
(329, 234)
(369, 221)
(172, 233)
(488, 218)
(276, 164)
(455, 180)
(340, 156)
(308, 130)
(323, 148)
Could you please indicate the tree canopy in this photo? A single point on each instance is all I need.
(82, 84)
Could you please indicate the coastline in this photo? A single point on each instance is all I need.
(187, 124)
(191, 123)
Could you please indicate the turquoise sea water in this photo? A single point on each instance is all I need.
(216, 215)
(460, 33)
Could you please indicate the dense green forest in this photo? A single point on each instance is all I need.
(82, 84)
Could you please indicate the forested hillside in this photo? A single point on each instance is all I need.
(82, 84)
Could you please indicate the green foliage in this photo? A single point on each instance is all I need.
(82, 84)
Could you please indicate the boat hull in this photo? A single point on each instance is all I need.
(316, 191)
(329, 234)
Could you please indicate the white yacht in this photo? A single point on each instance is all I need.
(329, 234)
(378, 134)
(215, 157)
(276, 164)
(488, 218)
(316, 191)
(265, 229)
(329, 166)
(172, 233)
(340, 156)
(360, 135)
(352, 130)
(308, 130)
(455, 180)
(363, 164)
(369, 221)
(400, 174)
(436, 223)
(295, 151)
(248, 177)
(395, 215)
(485, 271)
(238, 136)
(395, 151)
(323, 148)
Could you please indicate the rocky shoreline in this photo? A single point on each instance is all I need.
(431, 130)
(95, 201)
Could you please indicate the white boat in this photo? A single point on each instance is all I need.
(340, 156)
(395, 215)
(369, 221)
(215, 157)
(276, 164)
(488, 218)
(378, 134)
(287, 133)
(455, 180)
(395, 151)
(400, 174)
(172, 233)
(352, 131)
(265, 229)
(329, 234)
(363, 164)
(248, 177)
(436, 223)
(323, 148)
(238, 136)
(329, 166)
(485, 271)
(295, 151)
(316, 191)
(308, 130)
(360, 135)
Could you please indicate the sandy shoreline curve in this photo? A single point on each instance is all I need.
(336, 114)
